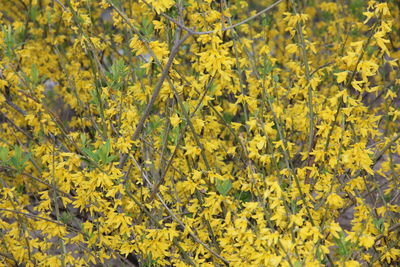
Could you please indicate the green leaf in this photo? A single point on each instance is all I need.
(34, 75)
(154, 124)
(20, 188)
(147, 27)
(140, 73)
(34, 13)
(228, 117)
(189, 215)
(90, 153)
(244, 196)
(117, 74)
(326, 16)
(95, 98)
(18, 159)
(103, 151)
(111, 159)
(17, 153)
(3, 154)
(186, 106)
(344, 247)
(223, 186)
(26, 157)
(173, 135)
(266, 68)
(266, 20)
(83, 139)
(379, 224)
(9, 40)
(66, 217)
(102, 154)
(357, 7)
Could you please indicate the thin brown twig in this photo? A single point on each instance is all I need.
(32, 216)
(154, 96)
(157, 88)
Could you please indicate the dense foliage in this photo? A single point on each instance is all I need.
(199, 132)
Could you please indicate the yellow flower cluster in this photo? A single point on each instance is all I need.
(199, 133)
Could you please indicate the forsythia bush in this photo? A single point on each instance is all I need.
(199, 133)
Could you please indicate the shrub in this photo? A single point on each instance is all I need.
(199, 132)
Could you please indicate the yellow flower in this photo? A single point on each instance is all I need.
(161, 5)
(352, 263)
(335, 201)
(367, 241)
(175, 120)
